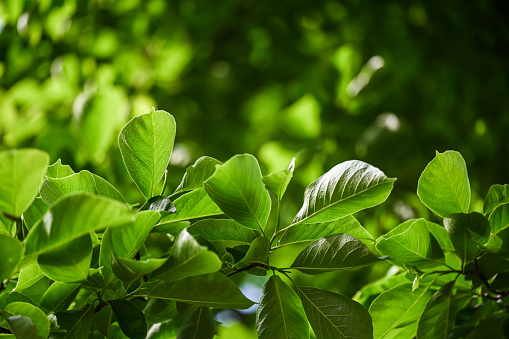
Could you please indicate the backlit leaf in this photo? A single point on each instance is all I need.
(59, 296)
(497, 195)
(57, 170)
(11, 252)
(192, 205)
(196, 174)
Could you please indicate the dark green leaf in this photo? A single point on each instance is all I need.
(437, 319)
(57, 170)
(77, 321)
(467, 232)
(258, 252)
(197, 325)
(11, 253)
(497, 195)
(196, 174)
(22, 172)
(129, 270)
(443, 186)
(211, 290)
(192, 205)
(146, 143)
(37, 318)
(22, 327)
(332, 315)
(491, 326)
(280, 313)
(440, 235)
(334, 253)
(237, 188)
(130, 318)
(223, 230)
(59, 296)
(28, 276)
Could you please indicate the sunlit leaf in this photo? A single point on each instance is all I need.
(59, 296)
(37, 318)
(11, 252)
(146, 143)
(196, 174)
(192, 205)
(28, 276)
(161, 204)
(57, 170)
(130, 318)
(277, 182)
(437, 318)
(497, 195)
(35, 212)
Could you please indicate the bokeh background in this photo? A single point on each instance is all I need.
(386, 82)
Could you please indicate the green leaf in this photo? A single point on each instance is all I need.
(28, 276)
(73, 217)
(211, 290)
(258, 252)
(411, 243)
(188, 258)
(77, 321)
(57, 170)
(199, 324)
(130, 318)
(334, 253)
(146, 143)
(467, 232)
(237, 188)
(499, 219)
(443, 186)
(277, 182)
(192, 205)
(11, 253)
(440, 235)
(37, 317)
(35, 212)
(497, 195)
(398, 309)
(437, 319)
(332, 315)
(309, 232)
(280, 313)
(223, 231)
(22, 172)
(59, 296)
(22, 327)
(129, 270)
(347, 188)
(159, 203)
(69, 262)
(7, 298)
(102, 320)
(196, 174)
(53, 189)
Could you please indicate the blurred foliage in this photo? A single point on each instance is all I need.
(387, 82)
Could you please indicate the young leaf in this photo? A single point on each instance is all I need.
(396, 311)
(77, 321)
(497, 195)
(22, 172)
(199, 324)
(467, 232)
(437, 319)
(332, 315)
(334, 253)
(53, 189)
(237, 188)
(347, 188)
(11, 253)
(130, 318)
(277, 182)
(223, 230)
(443, 186)
(28, 276)
(309, 232)
(211, 290)
(188, 258)
(69, 262)
(129, 270)
(37, 318)
(146, 143)
(73, 217)
(57, 170)
(59, 296)
(196, 174)
(280, 313)
(411, 243)
(192, 205)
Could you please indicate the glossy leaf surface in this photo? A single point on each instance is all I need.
(198, 173)
(192, 205)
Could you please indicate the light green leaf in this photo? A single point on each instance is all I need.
(437, 319)
(188, 258)
(280, 313)
(73, 217)
(397, 309)
(334, 253)
(497, 195)
(196, 174)
(499, 219)
(59, 296)
(211, 290)
(35, 212)
(28, 276)
(129, 270)
(237, 188)
(146, 143)
(53, 189)
(444, 186)
(303, 233)
(199, 324)
(57, 170)
(467, 232)
(77, 321)
(22, 327)
(441, 235)
(11, 253)
(22, 172)
(277, 182)
(192, 205)
(347, 188)
(37, 317)
(223, 231)
(332, 315)
(130, 318)
(411, 243)
(69, 262)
